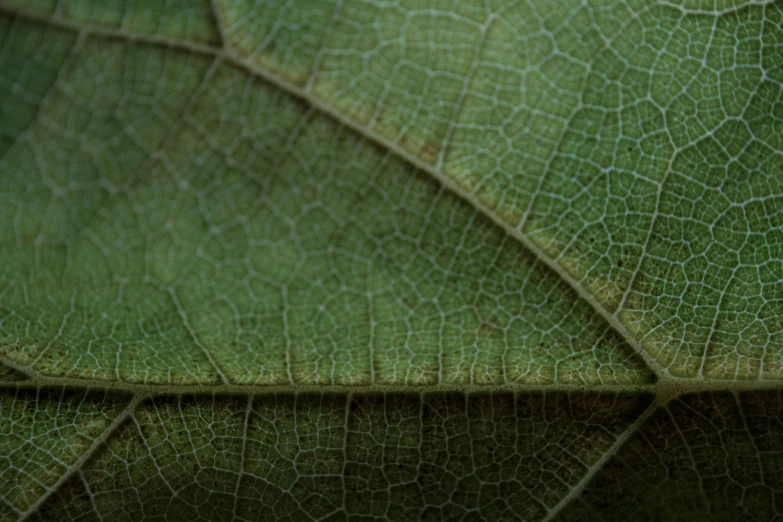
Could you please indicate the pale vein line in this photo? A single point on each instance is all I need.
(66, 316)
(453, 121)
(218, 19)
(79, 463)
(184, 317)
(241, 472)
(21, 368)
(65, 67)
(714, 326)
(763, 479)
(328, 30)
(370, 313)
(348, 399)
(230, 56)
(90, 494)
(576, 491)
(556, 149)
(695, 464)
(716, 12)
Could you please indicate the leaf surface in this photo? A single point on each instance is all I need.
(338, 260)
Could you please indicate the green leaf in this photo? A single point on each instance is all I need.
(708, 456)
(474, 260)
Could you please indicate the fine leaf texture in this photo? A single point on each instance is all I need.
(360, 260)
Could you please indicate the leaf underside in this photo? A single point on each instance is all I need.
(358, 260)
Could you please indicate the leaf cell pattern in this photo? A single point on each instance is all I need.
(360, 260)
(255, 242)
(712, 456)
(334, 456)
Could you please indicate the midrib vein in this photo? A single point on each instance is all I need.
(670, 387)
